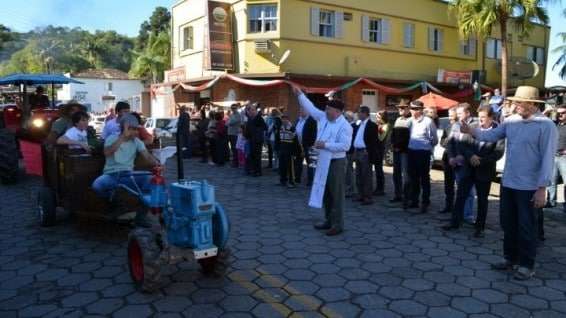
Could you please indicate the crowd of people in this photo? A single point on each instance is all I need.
(343, 154)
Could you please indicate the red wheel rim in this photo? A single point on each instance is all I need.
(136, 261)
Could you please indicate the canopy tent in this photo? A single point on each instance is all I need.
(34, 79)
(437, 101)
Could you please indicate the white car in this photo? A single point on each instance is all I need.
(154, 125)
(97, 122)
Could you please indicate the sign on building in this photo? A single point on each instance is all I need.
(218, 49)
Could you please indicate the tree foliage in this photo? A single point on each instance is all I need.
(477, 18)
(560, 63)
(152, 55)
(61, 49)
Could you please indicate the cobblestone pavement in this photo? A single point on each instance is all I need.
(388, 263)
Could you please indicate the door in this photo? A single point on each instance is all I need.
(369, 99)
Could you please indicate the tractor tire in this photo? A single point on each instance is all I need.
(46, 207)
(144, 260)
(388, 157)
(208, 265)
(9, 157)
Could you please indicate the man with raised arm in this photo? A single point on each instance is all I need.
(334, 138)
(531, 145)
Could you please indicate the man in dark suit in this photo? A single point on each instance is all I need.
(477, 168)
(449, 178)
(305, 127)
(365, 153)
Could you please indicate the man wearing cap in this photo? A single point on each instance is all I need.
(531, 146)
(365, 153)
(423, 138)
(112, 127)
(334, 138)
(399, 143)
(120, 152)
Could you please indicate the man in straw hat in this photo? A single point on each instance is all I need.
(531, 145)
(334, 138)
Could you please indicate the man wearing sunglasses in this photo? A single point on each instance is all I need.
(560, 158)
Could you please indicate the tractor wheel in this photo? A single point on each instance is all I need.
(208, 265)
(388, 158)
(46, 207)
(9, 157)
(144, 259)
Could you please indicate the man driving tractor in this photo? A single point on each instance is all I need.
(120, 151)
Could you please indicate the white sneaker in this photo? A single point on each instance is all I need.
(524, 273)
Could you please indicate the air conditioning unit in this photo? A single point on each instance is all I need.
(262, 46)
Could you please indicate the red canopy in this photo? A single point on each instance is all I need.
(437, 101)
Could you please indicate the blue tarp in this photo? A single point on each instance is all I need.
(34, 79)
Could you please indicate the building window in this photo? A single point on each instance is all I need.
(188, 38)
(378, 31)
(468, 47)
(409, 35)
(536, 54)
(493, 49)
(262, 18)
(435, 39)
(326, 23)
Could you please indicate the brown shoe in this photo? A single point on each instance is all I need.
(333, 231)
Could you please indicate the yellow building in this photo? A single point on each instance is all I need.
(330, 42)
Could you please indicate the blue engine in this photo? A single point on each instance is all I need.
(189, 218)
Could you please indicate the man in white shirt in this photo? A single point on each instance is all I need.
(334, 138)
(365, 153)
(112, 127)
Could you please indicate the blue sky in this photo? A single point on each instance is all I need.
(125, 16)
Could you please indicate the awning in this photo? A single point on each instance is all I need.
(34, 79)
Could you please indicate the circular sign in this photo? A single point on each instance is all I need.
(219, 14)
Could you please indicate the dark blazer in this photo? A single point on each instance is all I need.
(309, 132)
(255, 129)
(371, 139)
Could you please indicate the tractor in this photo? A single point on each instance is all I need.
(188, 224)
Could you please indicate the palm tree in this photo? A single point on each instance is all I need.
(154, 59)
(479, 17)
(562, 51)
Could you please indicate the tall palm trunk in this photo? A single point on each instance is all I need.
(504, 57)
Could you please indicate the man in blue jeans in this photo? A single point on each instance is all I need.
(120, 151)
(531, 146)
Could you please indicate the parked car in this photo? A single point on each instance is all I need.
(97, 122)
(157, 123)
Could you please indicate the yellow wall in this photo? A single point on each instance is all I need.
(350, 55)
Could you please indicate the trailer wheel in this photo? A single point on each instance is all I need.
(9, 157)
(46, 207)
(144, 259)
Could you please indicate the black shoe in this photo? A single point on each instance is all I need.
(367, 202)
(413, 205)
(549, 205)
(396, 200)
(424, 209)
(378, 193)
(322, 226)
(449, 227)
(281, 184)
(309, 184)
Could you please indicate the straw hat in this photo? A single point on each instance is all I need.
(403, 103)
(526, 94)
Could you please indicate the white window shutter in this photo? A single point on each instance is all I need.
(338, 26)
(315, 21)
(385, 31)
(365, 28)
(440, 40)
(431, 38)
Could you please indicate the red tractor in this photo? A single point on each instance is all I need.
(22, 130)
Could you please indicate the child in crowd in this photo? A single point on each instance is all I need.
(241, 143)
(76, 136)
